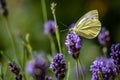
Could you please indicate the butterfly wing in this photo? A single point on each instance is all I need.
(88, 25)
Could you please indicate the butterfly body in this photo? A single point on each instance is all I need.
(87, 26)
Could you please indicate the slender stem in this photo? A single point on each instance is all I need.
(77, 70)
(24, 76)
(99, 75)
(105, 51)
(24, 57)
(6, 56)
(53, 6)
(57, 33)
(44, 11)
(27, 46)
(15, 46)
(118, 73)
(9, 31)
(53, 50)
(80, 65)
(10, 35)
(68, 72)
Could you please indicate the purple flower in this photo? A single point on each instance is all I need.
(104, 37)
(49, 28)
(3, 7)
(115, 53)
(73, 42)
(2, 3)
(48, 78)
(103, 69)
(37, 68)
(72, 25)
(16, 70)
(58, 65)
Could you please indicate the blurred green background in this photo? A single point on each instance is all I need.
(26, 16)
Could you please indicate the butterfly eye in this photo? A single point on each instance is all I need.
(70, 30)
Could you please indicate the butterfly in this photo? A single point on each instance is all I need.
(88, 25)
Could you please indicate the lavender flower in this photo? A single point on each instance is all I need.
(104, 37)
(37, 68)
(49, 28)
(72, 25)
(3, 7)
(48, 78)
(115, 54)
(14, 69)
(2, 3)
(58, 65)
(73, 42)
(103, 69)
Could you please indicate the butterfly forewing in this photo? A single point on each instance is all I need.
(91, 15)
(88, 26)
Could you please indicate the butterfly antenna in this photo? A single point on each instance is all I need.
(64, 30)
(64, 24)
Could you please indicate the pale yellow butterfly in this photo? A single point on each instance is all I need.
(88, 25)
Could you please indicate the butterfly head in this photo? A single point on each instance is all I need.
(71, 30)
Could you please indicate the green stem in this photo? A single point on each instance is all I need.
(14, 44)
(53, 5)
(10, 35)
(24, 58)
(77, 70)
(44, 11)
(68, 72)
(53, 50)
(99, 75)
(105, 51)
(57, 33)
(80, 65)
(118, 73)
(9, 31)
(24, 76)
(6, 56)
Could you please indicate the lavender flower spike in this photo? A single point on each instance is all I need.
(14, 69)
(115, 53)
(58, 65)
(37, 68)
(4, 8)
(48, 78)
(49, 28)
(103, 69)
(104, 37)
(73, 42)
